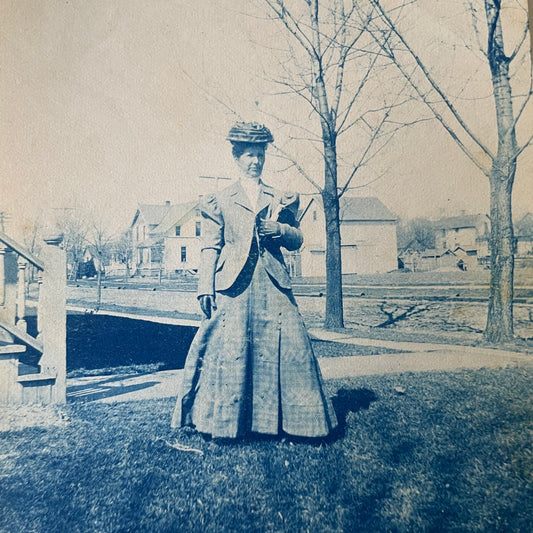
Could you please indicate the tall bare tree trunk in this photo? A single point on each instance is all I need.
(502, 243)
(334, 306)
(500, 313)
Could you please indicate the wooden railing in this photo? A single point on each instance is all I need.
(46, 383)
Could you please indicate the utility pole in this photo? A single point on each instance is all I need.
(216, 178)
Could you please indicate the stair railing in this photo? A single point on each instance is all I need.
(50, 341)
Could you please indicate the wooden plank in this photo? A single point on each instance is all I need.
(23, 336)
(15, 246)
(11, 348)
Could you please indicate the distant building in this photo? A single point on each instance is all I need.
(180, 231)
(147, 249)
(166, 238)
(524, 239)
(523, 232)
(460, 242)
(368, 238)
(462, 231)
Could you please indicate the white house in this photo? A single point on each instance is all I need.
(180, 231)
(166, 238)
(462, 231)
(523, 232)
(368, 237)
(147, 250)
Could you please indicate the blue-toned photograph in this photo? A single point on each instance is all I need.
(266, 266)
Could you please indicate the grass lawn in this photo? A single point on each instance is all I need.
(416, 452)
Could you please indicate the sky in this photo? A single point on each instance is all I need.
(107, 105)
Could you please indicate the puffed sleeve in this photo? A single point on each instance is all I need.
(291, 235)
(212, 223)
(212, 242)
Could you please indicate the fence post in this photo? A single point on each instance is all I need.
(53, 316)
(3, 250)
(21, 295)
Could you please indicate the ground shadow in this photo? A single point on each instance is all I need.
(350, 401)
(91, 392)
(102, 341)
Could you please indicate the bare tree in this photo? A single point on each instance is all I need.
(122, 250)
(99, 242)
(511, 91)
(72, 223)
(419, 233)
(327, 67)
(32, 238)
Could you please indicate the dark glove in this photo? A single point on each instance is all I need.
(207, 303)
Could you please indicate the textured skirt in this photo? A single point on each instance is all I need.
(251, 367)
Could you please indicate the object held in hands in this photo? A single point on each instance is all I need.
(268, 228)
(207, 304)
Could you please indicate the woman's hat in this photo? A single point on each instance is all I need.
(249, 132)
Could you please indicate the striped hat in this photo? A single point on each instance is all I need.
(249, 132)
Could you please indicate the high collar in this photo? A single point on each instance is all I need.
(241, 198)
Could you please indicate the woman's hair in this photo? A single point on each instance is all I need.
(238, 148)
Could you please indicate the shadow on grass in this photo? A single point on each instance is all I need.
(350, 401)
(98, 390)
(344, 402)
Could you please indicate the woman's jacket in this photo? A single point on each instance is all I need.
(228, 227)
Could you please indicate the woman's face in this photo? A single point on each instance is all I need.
(251, 161)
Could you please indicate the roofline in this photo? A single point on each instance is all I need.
(368, 220)
(193, 206)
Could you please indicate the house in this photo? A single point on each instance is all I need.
(463, 231)
(166, 238)
(180, 232)
(368, 238)
(524, 238)
(410, 254)
(147, 249)
(523, 232)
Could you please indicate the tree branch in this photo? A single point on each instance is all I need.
(297, 166)
(431, 81)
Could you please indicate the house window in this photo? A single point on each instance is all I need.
(198, 229)
(314, 215)
(184, 254)
(178, 231)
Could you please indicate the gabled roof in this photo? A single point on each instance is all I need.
(152, 214)
(151, 241)
(354, 208)
(432, 252)
(524, 227)
(461, 222)
(412, 244)
(174, 215)
(357, 209)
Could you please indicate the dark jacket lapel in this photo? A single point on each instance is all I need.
(266, 196)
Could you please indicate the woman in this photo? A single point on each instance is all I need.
(251, 368)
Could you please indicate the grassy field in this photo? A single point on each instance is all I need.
(415, 452)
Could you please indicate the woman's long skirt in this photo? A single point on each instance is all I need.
(251, 367)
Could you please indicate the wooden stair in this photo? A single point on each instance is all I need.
(32, 363)
(22, 384)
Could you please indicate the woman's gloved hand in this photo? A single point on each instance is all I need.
(207, 304)
(268, 228)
